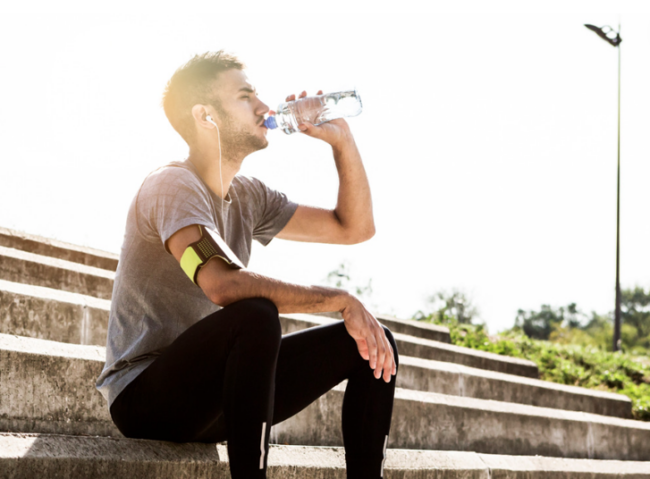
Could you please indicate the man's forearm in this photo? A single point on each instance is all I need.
(354, 205)
(234, 285)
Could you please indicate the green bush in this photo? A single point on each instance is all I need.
(573, 364)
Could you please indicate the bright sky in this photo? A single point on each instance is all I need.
(489, 139)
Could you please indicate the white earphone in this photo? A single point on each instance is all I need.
(209, 118)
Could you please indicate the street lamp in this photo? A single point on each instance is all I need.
(613, 37)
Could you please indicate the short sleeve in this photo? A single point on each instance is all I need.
(274, 212)
(171, 199)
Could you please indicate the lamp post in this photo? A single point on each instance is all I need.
(613, 37)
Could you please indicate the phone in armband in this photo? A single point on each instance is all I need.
(211, 245)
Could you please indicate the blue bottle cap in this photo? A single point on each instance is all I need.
(270, 123)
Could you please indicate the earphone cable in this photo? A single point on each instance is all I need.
(223, 220)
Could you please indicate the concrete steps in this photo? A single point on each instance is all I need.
(24, 456)
(455, 408)
(49, 387)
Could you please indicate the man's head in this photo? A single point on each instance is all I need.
(214, 84)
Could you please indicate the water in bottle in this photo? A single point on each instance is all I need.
(315, 110)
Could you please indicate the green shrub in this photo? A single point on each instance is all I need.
(582, 365)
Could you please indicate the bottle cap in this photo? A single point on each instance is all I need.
(270, 123)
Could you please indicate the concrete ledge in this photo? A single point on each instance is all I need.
(25, 456)
(458, 380)
(58, 249)
(29, 268)
(49, 387)
(431, 421)
(46, 313)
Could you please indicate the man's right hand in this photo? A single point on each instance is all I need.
(370, 337)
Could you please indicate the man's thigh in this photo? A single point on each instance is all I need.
(179, 395)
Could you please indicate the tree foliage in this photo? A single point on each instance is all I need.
(540, 324)
(445, 307)
(341, 277)
(568, 325)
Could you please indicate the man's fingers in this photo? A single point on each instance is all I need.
(302, 95)
(372, 350)
(309, 129)
(381, 353)
(389, 364)
(362, 346)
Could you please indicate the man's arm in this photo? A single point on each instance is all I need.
(224, 285)
(352, 220)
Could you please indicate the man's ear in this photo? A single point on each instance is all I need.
(200, 113)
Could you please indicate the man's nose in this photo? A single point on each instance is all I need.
(263, 108)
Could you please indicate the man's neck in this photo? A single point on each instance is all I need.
(207, 165)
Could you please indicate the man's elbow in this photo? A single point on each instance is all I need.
(218, 283)
(361, 236)
(221, 296)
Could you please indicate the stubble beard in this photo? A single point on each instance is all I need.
(237, 140)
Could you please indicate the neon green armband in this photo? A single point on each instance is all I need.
(210, 245)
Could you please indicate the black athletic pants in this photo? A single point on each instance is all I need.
(232, 375)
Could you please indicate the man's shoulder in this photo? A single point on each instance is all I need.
(247, 181)
(171, 177)
(246, 185)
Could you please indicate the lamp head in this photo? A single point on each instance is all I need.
(607, 33)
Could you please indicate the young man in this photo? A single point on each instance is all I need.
(194, 349)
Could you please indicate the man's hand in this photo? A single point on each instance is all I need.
(370, 337)
(335, 132)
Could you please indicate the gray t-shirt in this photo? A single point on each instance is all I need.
(154, 301)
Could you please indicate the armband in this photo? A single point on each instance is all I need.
(210, 245)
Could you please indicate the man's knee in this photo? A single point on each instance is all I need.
(258, 314)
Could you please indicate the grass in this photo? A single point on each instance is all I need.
(571, 364)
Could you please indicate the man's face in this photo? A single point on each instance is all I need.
(240, 113)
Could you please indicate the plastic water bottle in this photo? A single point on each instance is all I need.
(315, 110)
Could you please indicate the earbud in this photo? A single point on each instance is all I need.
(209, 118)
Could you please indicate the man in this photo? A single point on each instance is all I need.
(194, 348)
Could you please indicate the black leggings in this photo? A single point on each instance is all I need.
(232, 375)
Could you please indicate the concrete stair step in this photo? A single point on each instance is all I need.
(458, 380)
(58, 249)
(431, 421)
(24, 456)
(29, 268)
(62, 316)
(46, 313)
(49, 387)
